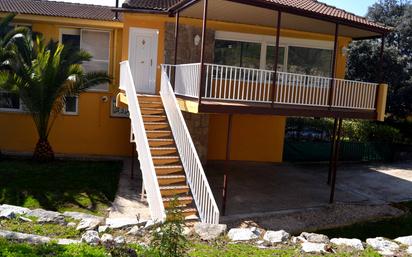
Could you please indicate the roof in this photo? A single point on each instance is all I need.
(57, 9)
(312, 8)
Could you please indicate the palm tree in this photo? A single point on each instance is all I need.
(8, 34)
(44, 75)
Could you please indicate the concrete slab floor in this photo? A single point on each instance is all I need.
(256, 188)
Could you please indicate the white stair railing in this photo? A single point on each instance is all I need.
(151, 184)
(196, 178)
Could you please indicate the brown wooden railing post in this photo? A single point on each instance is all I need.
(333, 72)
(380, 81)
(176, 46)
(276, 57)
(335, 162)
(202, 51)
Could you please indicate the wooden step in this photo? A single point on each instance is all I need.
(147, 104)
(156, 125)
(159, 134)
(154, 118)
(165, 180)
(149, 98)
(157, 142)
(152, 111)
(156, 151)
(174, 190)
(180, 201)
(188, 211)
(168, 169)
(165, 160)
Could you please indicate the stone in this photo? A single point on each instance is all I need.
(11, 211)
(405, 240)
(209, 231)
(309, 247)
(44, 216)
(91, 237)
(135, 231)
(107, 239)
(315, 238)
(22, 237)
(102, 229)
(242, 234)
(409, 250)
(382, 245)
(81, 216)
(22, 218)
(64, 241)
(121, 222)
(88, 224)
(119, 240)
(275, 237)
(71, 224)
(353, 243)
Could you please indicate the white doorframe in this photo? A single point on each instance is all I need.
(154, 33)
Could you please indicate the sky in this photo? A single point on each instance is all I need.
(359, 7)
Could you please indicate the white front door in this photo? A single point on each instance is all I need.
(143, 58)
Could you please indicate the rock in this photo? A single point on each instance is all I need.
(315, 238)
(188, 231)
(383, 246)
(149, 224)
(11, 211)
(242, 234)
(81, 216)
(275, 237)
(121, 222)
(91, 237)
(309, 247)
(102, 229)
(119, 240)
(71, 224)
(209, 231)
(409, 250)
(22, 218)
(88, 224)
(67, 241)
(22, 237)
(298, 239)
(44, 216)
(135, 231)
(353, 243)
(405, 240)
(107, 239)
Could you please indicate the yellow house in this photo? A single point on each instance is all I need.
(235, 68)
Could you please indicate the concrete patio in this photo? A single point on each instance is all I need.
(256, 188)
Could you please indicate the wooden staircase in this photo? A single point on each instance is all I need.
(169, 170)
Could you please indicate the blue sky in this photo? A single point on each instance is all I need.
(359, 7)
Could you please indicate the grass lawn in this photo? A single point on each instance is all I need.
(86, 186)
(389, 228)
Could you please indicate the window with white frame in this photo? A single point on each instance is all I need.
(311, 57)
(117, 111)
(11, 101)
(95, 42)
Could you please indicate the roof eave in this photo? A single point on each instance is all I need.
(140, 10)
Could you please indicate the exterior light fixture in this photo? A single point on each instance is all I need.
(196, 40)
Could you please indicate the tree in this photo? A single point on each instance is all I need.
(44, 75)
(363, 56)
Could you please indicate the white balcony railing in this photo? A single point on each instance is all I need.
(196, 178)
(230, 83)
(150, 182)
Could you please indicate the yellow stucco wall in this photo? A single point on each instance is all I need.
(93, 131)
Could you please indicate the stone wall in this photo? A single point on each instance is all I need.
(198, 125)
(187, 52)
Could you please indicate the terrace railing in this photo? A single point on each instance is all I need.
(239, 84)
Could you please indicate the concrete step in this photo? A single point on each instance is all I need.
(174, 190)
(165, 180)
(165, 160)
(156, 151)
(168, 169)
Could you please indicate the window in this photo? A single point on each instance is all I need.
(118, 112)
(10, 101)
(71, 105)
(311, 61)
(235, 53)
(270, 58)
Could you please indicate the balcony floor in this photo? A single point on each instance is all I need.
(219, 106)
